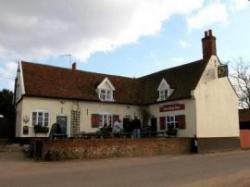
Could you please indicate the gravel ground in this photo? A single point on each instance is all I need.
(218, 169)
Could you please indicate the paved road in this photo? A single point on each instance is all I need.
(220, 169)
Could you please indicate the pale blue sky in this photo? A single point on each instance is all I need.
(174, 40)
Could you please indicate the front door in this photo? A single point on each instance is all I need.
(126, 125)
(154, 125)
(62, 121)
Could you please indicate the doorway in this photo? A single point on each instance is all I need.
(154, 125)
(62, 121)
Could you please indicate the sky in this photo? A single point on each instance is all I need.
(128, 38)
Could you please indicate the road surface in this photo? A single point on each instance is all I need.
(218, 169)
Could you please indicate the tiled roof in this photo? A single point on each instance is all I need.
(183, 79)
(55, 82)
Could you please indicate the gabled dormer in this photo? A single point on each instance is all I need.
(164, 90)
(105, 90)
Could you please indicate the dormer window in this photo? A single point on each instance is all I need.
(102, 94)
(106, 95)
(163, 95)
(164, 90)
(105, 90)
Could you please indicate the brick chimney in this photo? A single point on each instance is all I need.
(74, 66)
(208, 45)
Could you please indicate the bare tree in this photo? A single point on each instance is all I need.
(240, 78)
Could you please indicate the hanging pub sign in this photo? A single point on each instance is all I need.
(172, 107)
(222, 71)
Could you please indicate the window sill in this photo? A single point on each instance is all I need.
(159, 100)
(112, 100)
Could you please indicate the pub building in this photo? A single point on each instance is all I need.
(197, 99)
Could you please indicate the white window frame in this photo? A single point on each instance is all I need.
(163, 94)
(107, 88)
(107, 95)
(108, 118)
(44, 112)
(164, 90)
(170, 119)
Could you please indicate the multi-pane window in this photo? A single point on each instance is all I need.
(164, 90)
(40, 118)
(107, 120)
(171, 122)
(106, 95)
(109, 95)
(163, 95)
(177, 121)
(103, 120)
(103, 94)
(46, 118)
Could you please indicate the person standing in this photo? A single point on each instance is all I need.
(194, 148)
(116, 127)
(136, 128)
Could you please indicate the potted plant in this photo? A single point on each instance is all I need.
(172, 132)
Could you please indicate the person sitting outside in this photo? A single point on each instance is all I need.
(117, 129)
(105, 131)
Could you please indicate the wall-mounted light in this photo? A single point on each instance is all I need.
(62, 102)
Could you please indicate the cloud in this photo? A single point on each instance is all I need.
(80, 27)
(7, 72)
(237, 5)
(31, 29)
(215, 12)
(184, 44)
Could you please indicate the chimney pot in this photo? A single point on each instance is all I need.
(208, 45)
(206, 34)
(210, 32)
(74, 66)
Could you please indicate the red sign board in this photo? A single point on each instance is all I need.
(172, 107)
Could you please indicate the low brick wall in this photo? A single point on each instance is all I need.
(105, 148)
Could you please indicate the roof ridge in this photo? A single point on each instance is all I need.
(171, 68)
(81, 71)
(105, 74)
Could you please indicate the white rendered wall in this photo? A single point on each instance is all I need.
(55, 108)
(216, 104)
